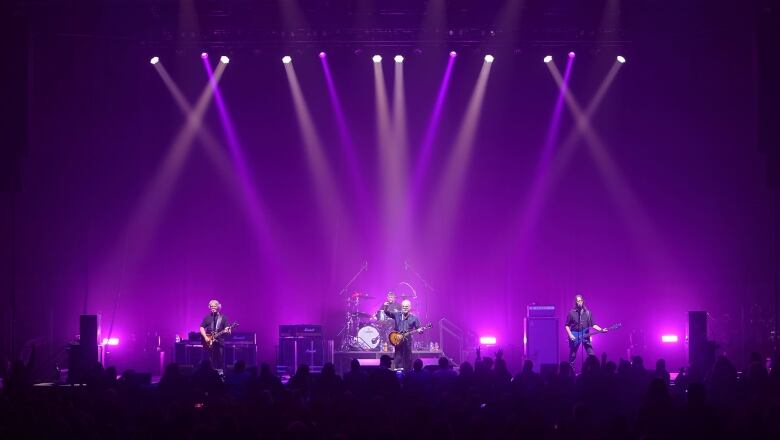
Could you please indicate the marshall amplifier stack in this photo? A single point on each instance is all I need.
(542, 333)
(300, 344)
(541, 311)
(238, 346)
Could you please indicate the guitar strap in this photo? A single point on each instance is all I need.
(216, 324)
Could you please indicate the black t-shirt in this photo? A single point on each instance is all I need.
(214, 322)
(578, 320)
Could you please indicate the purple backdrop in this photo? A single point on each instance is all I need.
(679, 122)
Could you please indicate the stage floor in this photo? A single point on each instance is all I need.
(342, 359)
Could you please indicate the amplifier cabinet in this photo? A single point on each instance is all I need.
(294, 351)
(542, 337)
(187, 353)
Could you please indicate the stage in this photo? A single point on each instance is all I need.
(342, 359)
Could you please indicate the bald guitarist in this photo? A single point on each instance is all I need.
(214, 323)
(404, 321)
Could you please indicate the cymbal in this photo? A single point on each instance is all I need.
(361, 295)
(360, 314)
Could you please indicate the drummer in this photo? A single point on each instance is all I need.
(393, 307)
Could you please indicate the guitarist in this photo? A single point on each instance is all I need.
(213, 323)
(404, 321)
(579, 319)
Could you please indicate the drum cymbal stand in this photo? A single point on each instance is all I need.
(348, 333)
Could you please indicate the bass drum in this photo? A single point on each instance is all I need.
(369, 338)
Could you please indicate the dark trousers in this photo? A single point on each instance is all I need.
(574, 346)
(216, 354)
(403, 355)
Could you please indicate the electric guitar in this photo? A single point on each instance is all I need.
(210, 338)
(584, 334)
(396, 338)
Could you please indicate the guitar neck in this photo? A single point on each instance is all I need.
(416, 329)
(223, 331)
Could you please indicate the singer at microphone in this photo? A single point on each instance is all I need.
(579, 321)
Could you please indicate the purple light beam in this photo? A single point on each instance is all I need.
(251, 197)
(533, 209)
(347, 146)
(426, 148)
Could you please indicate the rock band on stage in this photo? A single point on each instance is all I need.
(396, 324)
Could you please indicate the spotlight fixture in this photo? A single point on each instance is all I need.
(224, 60)
(204, 55)
(155, 60)
(287, 59)
(487, 340)
(322, 54)
(377, 58)
(669, 339)
(571, 54)
(453, 54)
(399, 59)
(548, 58)
(489, 58)
(621, 59)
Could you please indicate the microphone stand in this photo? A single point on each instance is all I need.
(348, 327)
(430, 288)
(582, 341)
(362, 269)
(425, 283)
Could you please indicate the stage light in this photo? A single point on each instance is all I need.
(399, 59)
(548, 58)
(224, 60)
(322, 54)
(487, 340)
(621, 59)
(669, 339)
(571, 54)
(110, 341)
(204, 55)
(453, 54)
(287, 59)
(377, 58)
(155, 60)
(489, 58)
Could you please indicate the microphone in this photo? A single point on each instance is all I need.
(406, 265)
(365, 266)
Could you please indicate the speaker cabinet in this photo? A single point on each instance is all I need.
(83, 355)
(541, 341)
(241, 352)
(294, 351)
(701, 352)
(188, 354)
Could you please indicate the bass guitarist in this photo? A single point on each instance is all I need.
(214, 323)
(580, 321)
(403, 322)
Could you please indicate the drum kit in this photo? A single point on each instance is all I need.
(369, 331)
(365, 331)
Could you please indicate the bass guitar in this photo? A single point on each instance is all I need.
(584, 334)
(396, 338)
(210, 338)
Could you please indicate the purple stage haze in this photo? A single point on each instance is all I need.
(433, 125)
(678, 125)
